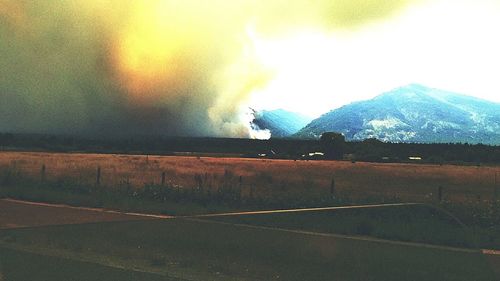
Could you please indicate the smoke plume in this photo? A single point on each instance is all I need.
(163, 67)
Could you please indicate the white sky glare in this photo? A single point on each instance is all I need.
(447, 44)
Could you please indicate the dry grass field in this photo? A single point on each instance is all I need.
(264, 177)
(159, 240)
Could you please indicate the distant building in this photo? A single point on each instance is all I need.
(314, 155)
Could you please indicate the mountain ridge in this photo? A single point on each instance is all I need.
(413, 113)
(281, 123)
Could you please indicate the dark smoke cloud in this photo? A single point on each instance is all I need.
(56, 77)
(58, 69)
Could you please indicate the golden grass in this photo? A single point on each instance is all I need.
(410, 182)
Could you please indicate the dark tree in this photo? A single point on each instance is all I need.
(333, 145)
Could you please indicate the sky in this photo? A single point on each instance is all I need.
(193, 67)
(451, 45)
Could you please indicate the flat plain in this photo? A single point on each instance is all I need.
(266, 177)
(268, 247)
(199, 249)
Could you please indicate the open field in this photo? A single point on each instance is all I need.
(405, 223)
(202, 250)
(395, 222)
(263, 177)
(22, 265)
(189, 185)
(277, 246)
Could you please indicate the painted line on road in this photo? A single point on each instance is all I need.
(490, 252)
(200, 219)
(100, 210)
(300, 210)
(207, 215)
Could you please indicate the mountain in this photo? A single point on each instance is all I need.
(280, 122)
(413, 113)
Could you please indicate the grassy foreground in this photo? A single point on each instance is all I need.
(401, 224)
(407, 223)
(21, 265)
(188, 249)
(190, 185)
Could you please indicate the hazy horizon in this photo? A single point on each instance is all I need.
(369, 97)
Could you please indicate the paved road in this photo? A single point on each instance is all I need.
(17, 214)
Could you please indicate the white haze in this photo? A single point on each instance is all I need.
(447, 44)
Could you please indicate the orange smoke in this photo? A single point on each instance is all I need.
(165, 47)
(13, 12)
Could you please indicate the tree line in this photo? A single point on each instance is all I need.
(331, 145)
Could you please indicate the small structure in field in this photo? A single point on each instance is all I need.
(314, 155)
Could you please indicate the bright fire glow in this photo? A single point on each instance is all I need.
(150, 49)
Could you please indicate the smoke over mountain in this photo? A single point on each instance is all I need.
(121, 67)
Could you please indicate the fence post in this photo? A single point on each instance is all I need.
(163, 178)
(240, 182)
(495, 189)
(42, 173)
(332, 187)
(98, 176)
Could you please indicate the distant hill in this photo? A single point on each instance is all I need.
(280, 122)
(413, 113)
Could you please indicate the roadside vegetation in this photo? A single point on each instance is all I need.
(191, 185)
(194, 249)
